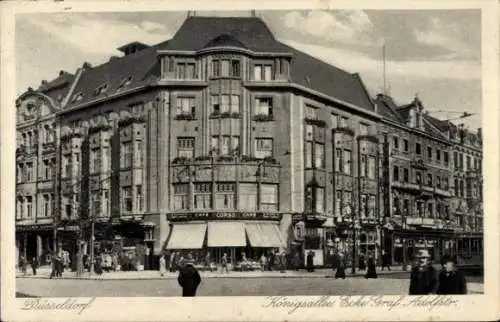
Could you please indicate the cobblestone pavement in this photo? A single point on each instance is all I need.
(385, 285)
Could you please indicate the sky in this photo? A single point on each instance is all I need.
(433, 54)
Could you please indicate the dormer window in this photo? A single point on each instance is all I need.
(77, 97)
(124, 83)
(101, 89)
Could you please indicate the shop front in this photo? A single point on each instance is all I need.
(35, 241)
(309, 237)
(241, 237)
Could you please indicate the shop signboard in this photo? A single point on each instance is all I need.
(224, 216)
(33, 227)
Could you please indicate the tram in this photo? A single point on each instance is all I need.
(469, 252)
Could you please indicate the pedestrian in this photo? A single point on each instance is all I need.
(371, 271)
(263, 261)
(163, 265)
(340, 273)
(172, 261)
(451, 280)
(282, 259)
(55, 266)
(271, 260)
(34, 265)
(224, 264)
(310, 261)
(423, 279)
(22, 265)
(207, 261)
(386, 260)
(189, 279)
(361, 262)
(98, 265)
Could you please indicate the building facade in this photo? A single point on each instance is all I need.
(228, 141)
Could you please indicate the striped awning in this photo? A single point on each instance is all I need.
(187, 236)
(226, 234)
(264, 235)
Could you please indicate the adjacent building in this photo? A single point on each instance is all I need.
(225, 140)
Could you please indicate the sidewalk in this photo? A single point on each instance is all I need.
(149, 275)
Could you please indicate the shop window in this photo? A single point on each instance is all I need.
(224, 198)
(185, 147)
(203, 196)
(263, 147)
(269, 197)
(181, 196)
(247, 198)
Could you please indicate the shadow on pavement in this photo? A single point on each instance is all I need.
(21, 295)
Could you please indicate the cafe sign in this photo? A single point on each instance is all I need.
(224, 216)
(33, 227)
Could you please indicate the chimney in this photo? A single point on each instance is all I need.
(44, 82)
(87, 65)
(61, 72)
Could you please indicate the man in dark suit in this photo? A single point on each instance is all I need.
(189, 279)
(423, 279)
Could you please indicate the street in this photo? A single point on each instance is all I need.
(384, 285)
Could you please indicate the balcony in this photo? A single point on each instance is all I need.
(225, 115)
(225, 168)
(48, 146)
(185, 117)
(406, 186)
(263, 118)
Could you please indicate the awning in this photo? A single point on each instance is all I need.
(187, 236)
(226, 234)
(264, 235)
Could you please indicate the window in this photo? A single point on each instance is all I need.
(138, 153)
(406, 206)
(47, 169)
(127, 199)
(262, 72)
(417, 148)
(406, 175)
(438, 155)
(215, 145)
(334, 120)
(344, 122)
(418, 176)
(185, 147)
(224, 198)
(455, 160)
(235, 145)
(363, 129)
(264, 106)
(395, 143)
(126, 155)
(29, 206)
(338, 203)
(101, 89)
(372, 203)
(96, 203)
(29, 172)
(315, 199)
(371, 167)
(429, 180)
(347, 162)
(338, 160)
(137, 108)
(226, 67)
(312, 112)
(225, 145)
(445, 158)
(139, 198)
(106, 161)
(185, 106)
(420, 208)
(263, 147)
(49, 134)
(461, 161)
(395, 173)
(468, 164)
(363, 206)
(225, 104)
(429, 152)
(181, 196)
(269, 197)
(186, 70)
(95, 161)
(247, 198)
(406, 145)
(396, 206)
(438, 182)
(20, 208)
(320, 200)
(107, 205)
(363, 166)
(430, 210)
(203, 196)
(46, 206)
(127, 82)
(456, 188)
(67, 166)
(20, 173)
(319, 156)
(462, 188)
(309, 152)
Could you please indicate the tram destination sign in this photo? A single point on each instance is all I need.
(224, 216)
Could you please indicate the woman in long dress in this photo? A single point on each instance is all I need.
(340, 273)
(371, 272)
